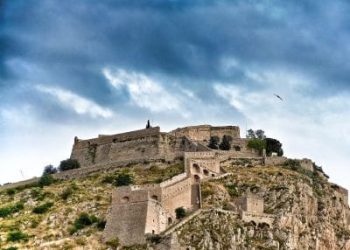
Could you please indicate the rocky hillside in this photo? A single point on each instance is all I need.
(308, 211)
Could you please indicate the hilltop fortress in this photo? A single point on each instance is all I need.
(140, 211)
(151, 144)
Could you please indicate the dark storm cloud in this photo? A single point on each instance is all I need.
(67, 44)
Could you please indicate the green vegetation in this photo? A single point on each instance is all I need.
(257, 144)
(42, 208)
(225, 143)
(206, 190)
(123, 179)
(85, 220)
(46, 180)
(6, 211)
(10, 248)
(154, 238)
(273, 146)
(214, 142)
(257, 134)
(232, 190)
(180, 213)
(49, 169)
(67, 192)
(10, 191)
(14, 236)
(114, 243)
(68, 164)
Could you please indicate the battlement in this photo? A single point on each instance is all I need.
(127, 136)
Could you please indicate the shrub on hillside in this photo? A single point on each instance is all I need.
(232, 190)
(14, 236)
(6, 211)
(123, 179)
(180, 213)
(46, 180)
(68, 164)
(49, 169)
(66, 193)
(42, 208)
(84, 220)
(10, 191)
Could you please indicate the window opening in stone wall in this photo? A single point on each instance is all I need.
(153, 232)
(154, 197)
(206, 172)
(125, 199)
(237, 148)
(196, 168)
(197, 178)
(170, 220)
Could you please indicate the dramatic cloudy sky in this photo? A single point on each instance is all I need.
(86, 67)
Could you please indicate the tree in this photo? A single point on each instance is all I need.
(260, 134)
(257, 144)
(213, 142)
(123, 179)
(148, 125)
(68, 164)
(273, 146)
(49, 169)
(251, 134)
(225, 143)
(180, 213)
(257, 134)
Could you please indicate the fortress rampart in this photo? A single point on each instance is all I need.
(204, 132)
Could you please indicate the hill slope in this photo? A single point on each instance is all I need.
(308, 212)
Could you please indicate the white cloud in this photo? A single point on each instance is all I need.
(144, 91)
(308, 125)
(79, 104)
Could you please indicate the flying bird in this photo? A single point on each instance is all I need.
(278, 97)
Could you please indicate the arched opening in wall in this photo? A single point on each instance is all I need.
(153, 232)
(212, 175)
(205, 172)
(196, 168)
(114, 140)
(237, 148)
(253, 223)
(170, 220)
(197, 178)
(154, 197)
(263, 225)
(125, 199)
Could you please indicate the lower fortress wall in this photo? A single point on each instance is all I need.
(127, 219)
(178, 195)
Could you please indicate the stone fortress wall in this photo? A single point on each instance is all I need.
(148, 144)
(204, 132)
(153, 205)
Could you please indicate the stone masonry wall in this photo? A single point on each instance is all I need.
(121, 147)
(127, 220)
(204, 132)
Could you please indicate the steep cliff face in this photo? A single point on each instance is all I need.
(309, 213)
